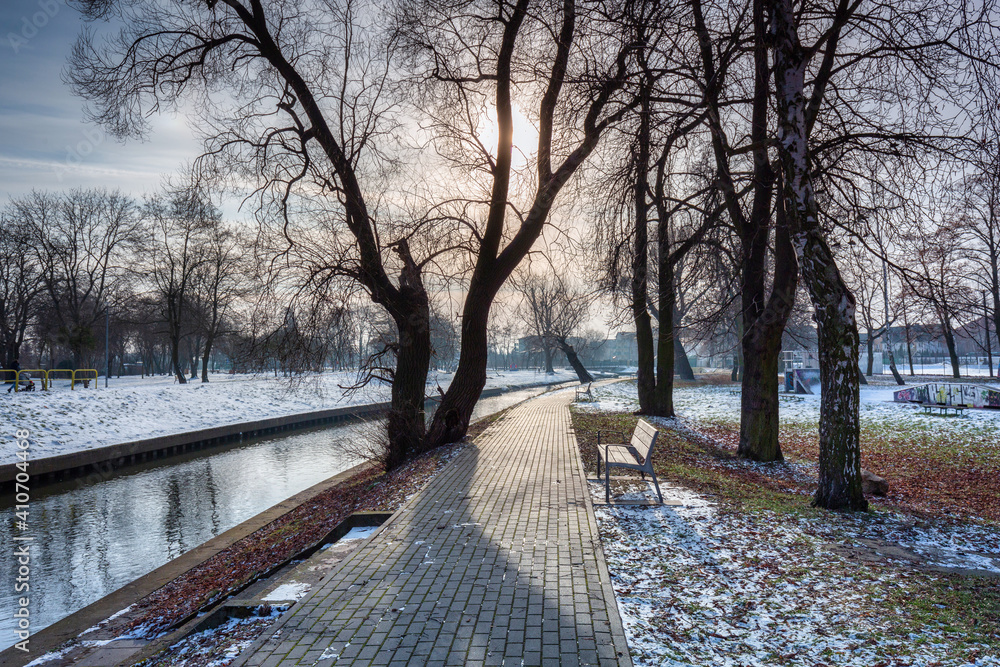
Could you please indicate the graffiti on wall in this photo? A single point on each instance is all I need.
(950, 393)
(991, 398)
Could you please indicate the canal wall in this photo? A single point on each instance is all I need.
(72, 626)
(100, 461)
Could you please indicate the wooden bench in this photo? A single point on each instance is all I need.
(637, 455)
(580, 391)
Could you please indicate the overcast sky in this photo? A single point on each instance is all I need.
(44, 142)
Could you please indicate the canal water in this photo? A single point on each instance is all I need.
(92, 537)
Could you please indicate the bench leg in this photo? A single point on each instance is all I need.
(607, 483)
(657, 485)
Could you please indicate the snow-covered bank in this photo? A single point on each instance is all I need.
(131, 408)
(720, 405)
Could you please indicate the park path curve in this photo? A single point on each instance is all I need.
(497, 561)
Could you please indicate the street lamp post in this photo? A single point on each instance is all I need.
(107, 358)
(986, 328)
(888, 328)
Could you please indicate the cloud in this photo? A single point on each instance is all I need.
(44, 143)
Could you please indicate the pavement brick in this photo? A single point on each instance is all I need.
(496, 561)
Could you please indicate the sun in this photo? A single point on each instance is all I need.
(525, 135)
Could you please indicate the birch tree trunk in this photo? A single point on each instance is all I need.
(839, 428)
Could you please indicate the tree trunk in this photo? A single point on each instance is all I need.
(839, 428)
(835, 306)
(12, 353)
(949, 339)
(892, 366)
(909, 346)
(996, 318)
(645, 359)
(663, 393)
(451, 420)
(406, 421)
(209, 341)
(547, 355)
(761, 345)
(759, 402)
(574, 361)
(871, 353)
(175, 359)
(681, 360)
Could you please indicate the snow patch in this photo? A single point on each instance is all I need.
(290, 591)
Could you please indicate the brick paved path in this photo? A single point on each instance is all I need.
(496, 562)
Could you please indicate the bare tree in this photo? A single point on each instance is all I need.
(567, 60)
(553, 312)
(292, 95)
(840, 450)
(82, 242)
(219, 280)
(937, 275)
(980, 215)
(180, 223)
(20, 285)
(753, 210)
(860, 271)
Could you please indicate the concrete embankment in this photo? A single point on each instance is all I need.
(53, 636)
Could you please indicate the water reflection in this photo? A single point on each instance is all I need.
(91, 539)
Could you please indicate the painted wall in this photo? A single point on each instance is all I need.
(950, 393)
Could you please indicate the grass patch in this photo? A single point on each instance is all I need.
(956, 616)
(693, 462)
(967, 607)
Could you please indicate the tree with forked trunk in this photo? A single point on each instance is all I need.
(21, 286)
(753, 211)
(179, 224)
(563, 65)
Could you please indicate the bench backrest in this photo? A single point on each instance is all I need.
(644, 439)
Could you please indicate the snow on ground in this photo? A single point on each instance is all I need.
(133, 408)
(360, 533)
(720, 405)
(699, 586)
(291, 591)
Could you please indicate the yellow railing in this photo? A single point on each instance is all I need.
(42, 375)
(87, 372)
(61, 370)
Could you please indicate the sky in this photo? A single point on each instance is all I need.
(45, 143)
